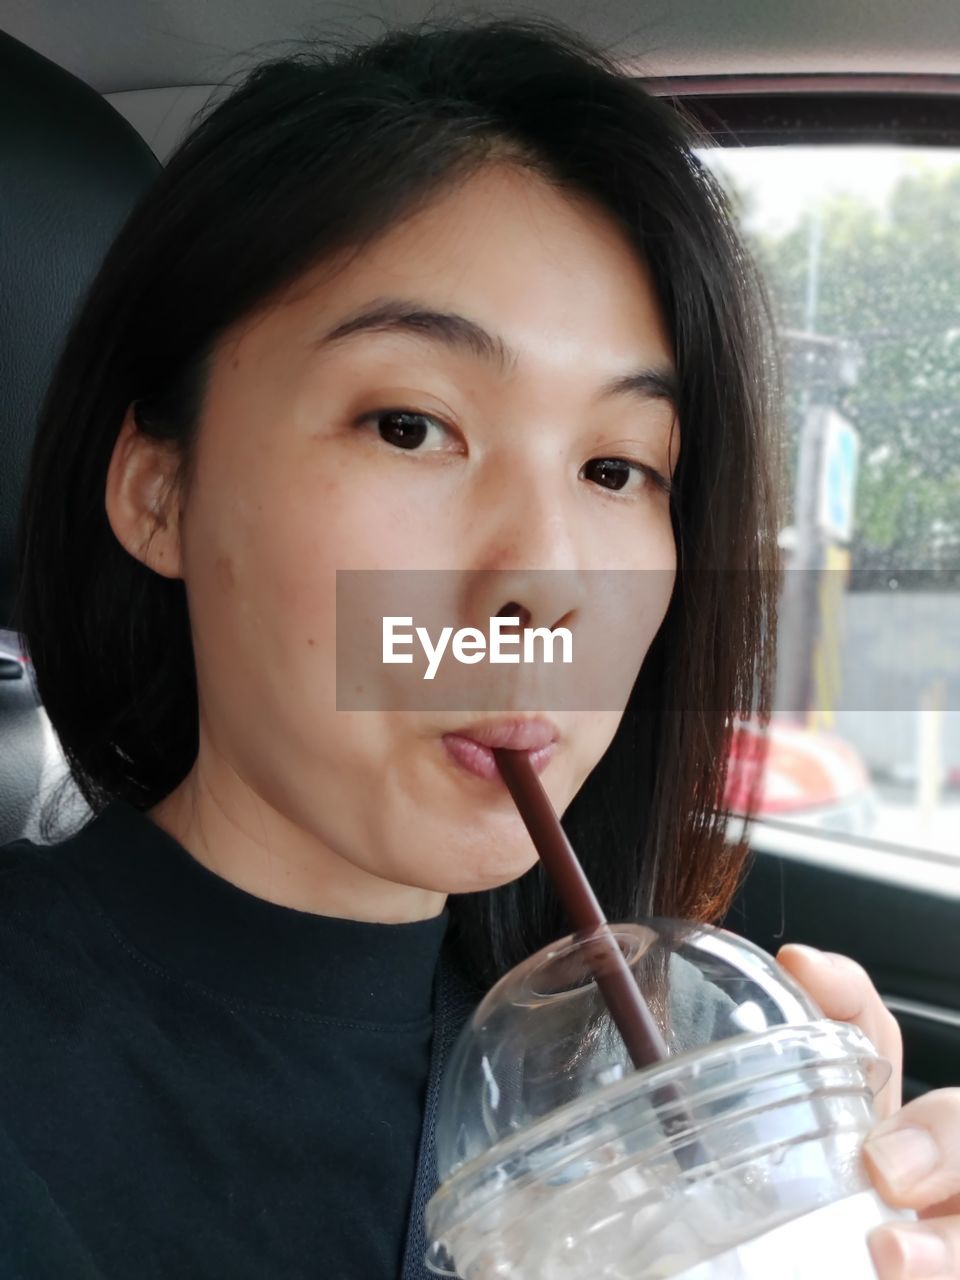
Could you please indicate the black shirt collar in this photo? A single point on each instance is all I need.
(203, 928)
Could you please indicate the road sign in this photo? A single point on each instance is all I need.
(828, 650)
(838, 477)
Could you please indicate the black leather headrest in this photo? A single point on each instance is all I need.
(71, 168)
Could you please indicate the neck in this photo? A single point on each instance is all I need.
(240, 837)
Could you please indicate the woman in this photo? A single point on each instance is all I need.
(460, 301)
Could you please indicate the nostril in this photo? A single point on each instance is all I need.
(514, 610)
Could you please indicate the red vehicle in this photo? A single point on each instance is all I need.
(810, 777)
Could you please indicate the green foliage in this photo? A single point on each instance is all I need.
(890, 280)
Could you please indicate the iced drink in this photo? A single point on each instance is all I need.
(737, 1158)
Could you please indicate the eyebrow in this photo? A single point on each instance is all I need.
(397, 315)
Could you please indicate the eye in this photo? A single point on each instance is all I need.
(406, 428)
(621, 473)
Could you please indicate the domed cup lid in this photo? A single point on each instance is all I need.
(543, 1039)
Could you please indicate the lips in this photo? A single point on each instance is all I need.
(472, 745)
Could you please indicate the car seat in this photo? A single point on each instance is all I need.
(71, 169)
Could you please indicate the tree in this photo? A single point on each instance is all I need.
(890, 280)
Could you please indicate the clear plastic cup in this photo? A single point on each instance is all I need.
(739, 1158)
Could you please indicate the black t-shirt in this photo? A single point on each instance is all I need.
(198, 1084)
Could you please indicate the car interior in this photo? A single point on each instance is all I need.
(857, 847)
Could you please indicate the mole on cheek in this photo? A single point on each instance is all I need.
(223, 568)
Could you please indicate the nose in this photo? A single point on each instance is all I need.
(527, 561)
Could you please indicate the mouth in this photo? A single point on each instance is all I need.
(472, 746)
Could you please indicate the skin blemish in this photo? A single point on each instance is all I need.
(224, 571)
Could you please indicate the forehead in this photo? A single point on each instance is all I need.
(546, 269)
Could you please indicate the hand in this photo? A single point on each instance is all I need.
(913, 1155)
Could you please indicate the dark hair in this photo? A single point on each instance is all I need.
(315, 153)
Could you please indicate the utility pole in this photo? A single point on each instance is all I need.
(798, 602)
(823, 365)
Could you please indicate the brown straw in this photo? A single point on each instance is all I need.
(629, 1010)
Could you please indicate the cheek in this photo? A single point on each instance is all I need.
(621, 618)
(652, 586)
(659, 547)
(315, 526)
(280, 594)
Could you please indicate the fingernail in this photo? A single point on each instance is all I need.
(903, 1156)
(811, 953)
(921, 1253)
(830, 958)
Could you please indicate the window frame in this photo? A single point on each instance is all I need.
(819, 108)
(828, 109)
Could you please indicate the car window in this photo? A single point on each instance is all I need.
(10, 645)
(860, 249)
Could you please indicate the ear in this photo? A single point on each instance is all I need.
(141, 500)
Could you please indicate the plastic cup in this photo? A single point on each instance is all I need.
(738, 1158)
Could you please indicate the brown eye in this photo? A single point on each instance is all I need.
(610, 473)
(405, 430)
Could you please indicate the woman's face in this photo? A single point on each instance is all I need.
(301, 470)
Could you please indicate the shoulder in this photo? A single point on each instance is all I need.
(46, 916)
(32, 875)
(26, 871)
(57, 959)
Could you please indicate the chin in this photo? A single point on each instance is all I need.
(479, 879)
